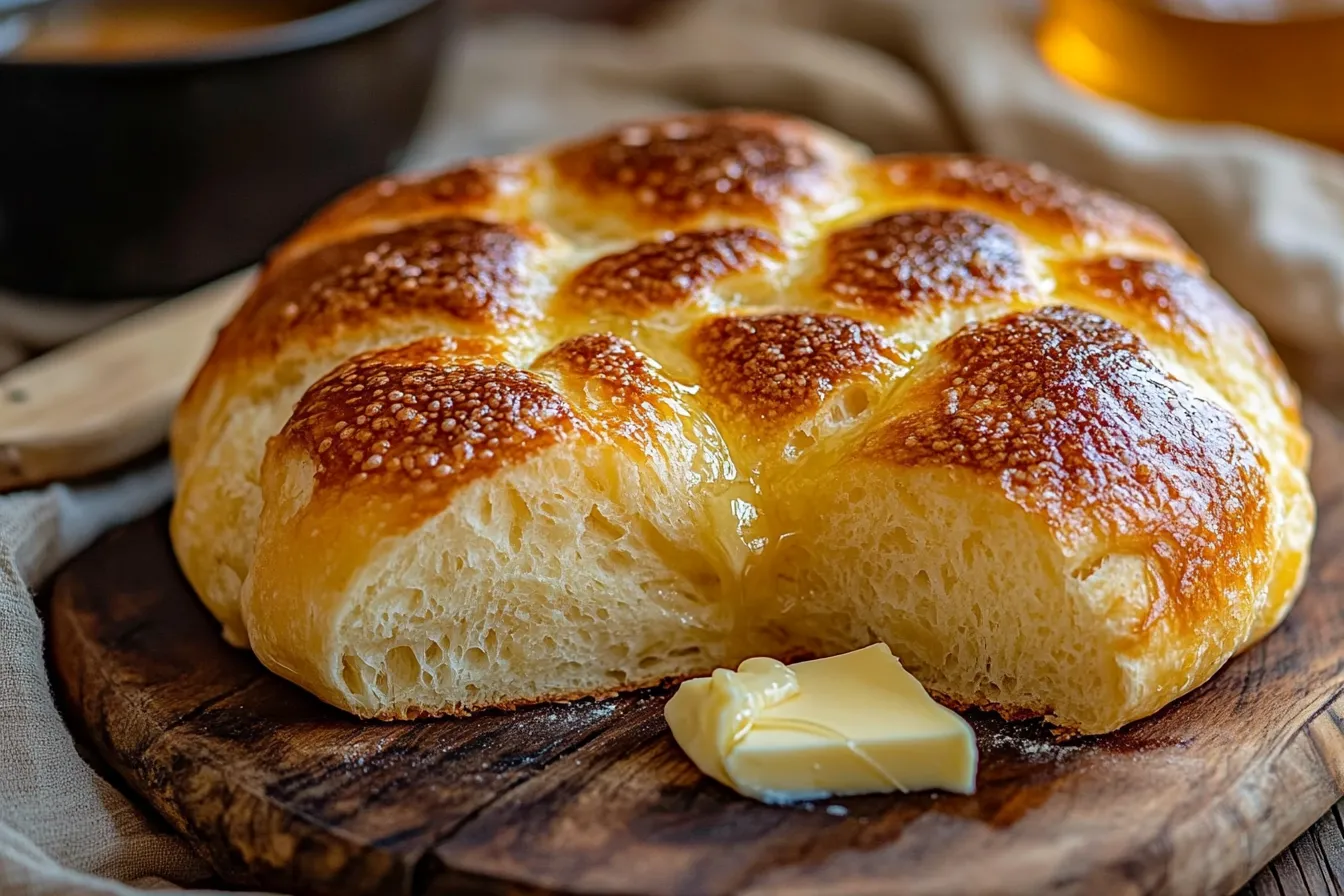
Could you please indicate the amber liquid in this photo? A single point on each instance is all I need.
(130, 29)
(1278, 65)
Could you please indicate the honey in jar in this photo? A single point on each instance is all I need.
(1278, 64)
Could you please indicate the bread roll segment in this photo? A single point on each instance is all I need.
(1044, 457)
(723, 385)
(570, 560)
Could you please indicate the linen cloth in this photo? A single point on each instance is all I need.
(1266, 212)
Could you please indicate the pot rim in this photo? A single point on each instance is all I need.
(330, 26)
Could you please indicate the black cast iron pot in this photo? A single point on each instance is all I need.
(149, 177)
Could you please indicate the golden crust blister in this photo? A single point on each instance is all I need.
(672, 272)
(913, 262)
(725, 384)
(1076, 422)
(674, 173)
(420, 421)
(493, 190)
(459, 269)
(1053, 208)
(772, 369)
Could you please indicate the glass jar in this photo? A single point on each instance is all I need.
(1278, 64)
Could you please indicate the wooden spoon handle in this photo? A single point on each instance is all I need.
(106, 398)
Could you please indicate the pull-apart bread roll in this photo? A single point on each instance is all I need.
(633, 408)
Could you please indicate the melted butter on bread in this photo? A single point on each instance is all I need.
(634, 408)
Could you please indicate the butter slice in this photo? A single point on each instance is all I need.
(844, 725)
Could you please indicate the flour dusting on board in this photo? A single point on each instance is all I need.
(1032, 745)
(583, 711)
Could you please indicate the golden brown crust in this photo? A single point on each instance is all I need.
(458, 271)
(622, 373)
(1186, 312)
(676, 171)
(622, 392)
(1070, 413)
(670, 272)
(1047, 204)
(486, 189)
(922, 260)
(1184, 305)
(774, 369)
(655, 231)
(422, 420)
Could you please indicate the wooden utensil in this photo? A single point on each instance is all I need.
(106, 398)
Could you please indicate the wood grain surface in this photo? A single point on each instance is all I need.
(283, 792)
(1312, 866)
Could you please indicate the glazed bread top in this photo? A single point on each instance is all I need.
(736, 276)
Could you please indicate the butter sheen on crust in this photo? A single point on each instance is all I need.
(628, 409)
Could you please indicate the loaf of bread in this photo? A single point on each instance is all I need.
(628, 409)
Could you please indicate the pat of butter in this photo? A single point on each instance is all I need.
(848, 724)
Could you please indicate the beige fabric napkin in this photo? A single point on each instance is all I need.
(1266, 212)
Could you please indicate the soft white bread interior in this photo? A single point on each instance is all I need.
(724, 385)
(580, 559)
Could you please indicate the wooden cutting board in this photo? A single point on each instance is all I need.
(283, 792)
